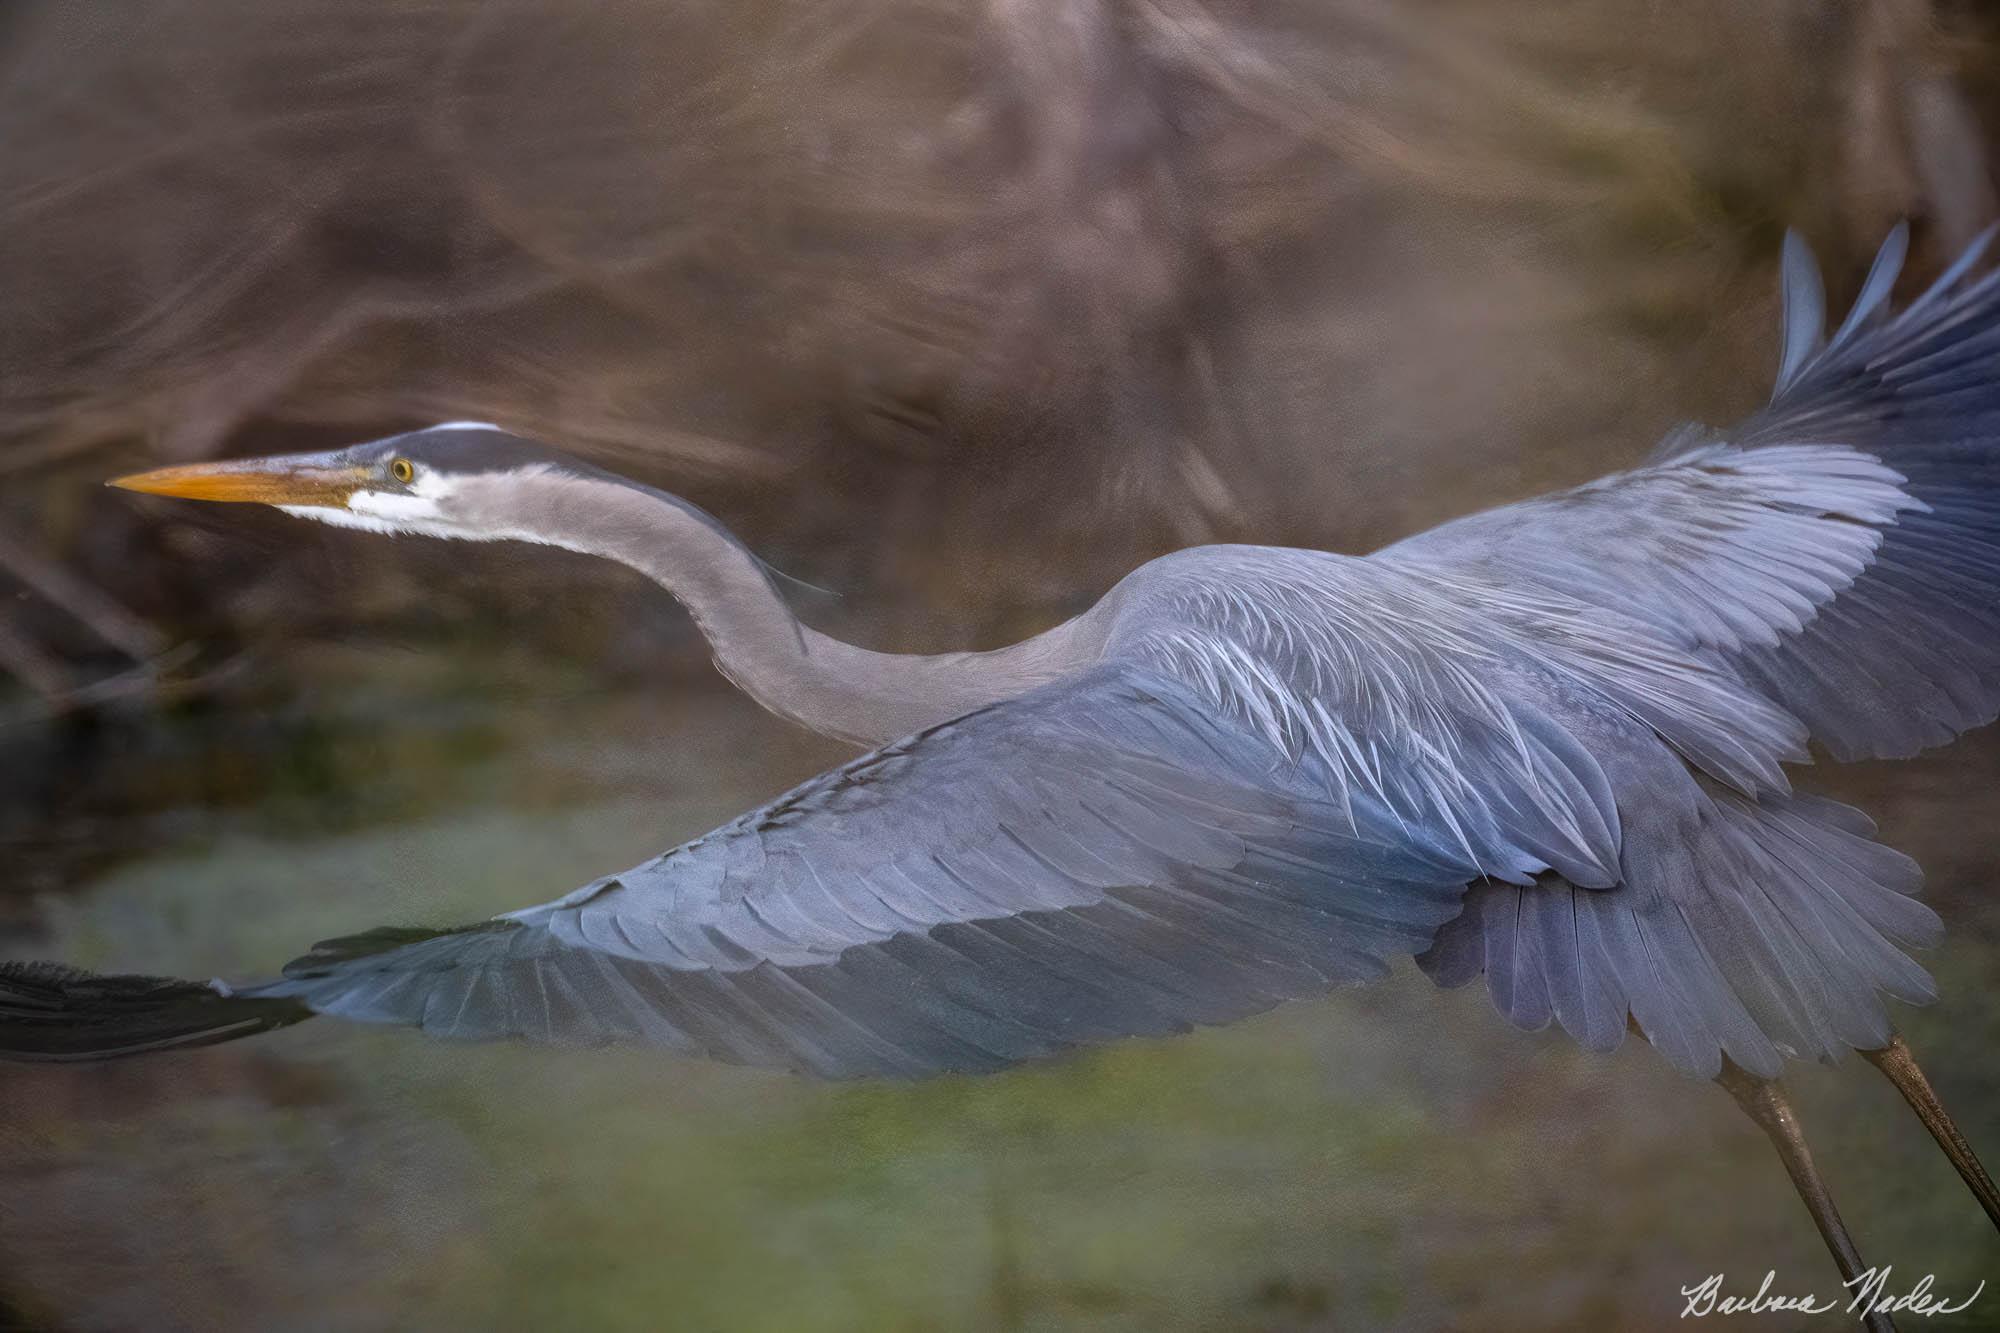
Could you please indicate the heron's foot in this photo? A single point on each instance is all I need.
(1764, 1101)
(1900, 1066)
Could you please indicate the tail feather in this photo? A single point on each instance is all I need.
(52, 1012)
(1761, 930)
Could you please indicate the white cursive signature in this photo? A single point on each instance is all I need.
(1868, 1293)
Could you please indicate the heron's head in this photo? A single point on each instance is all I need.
(462, 479)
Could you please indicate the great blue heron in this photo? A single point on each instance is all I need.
(1545, 743)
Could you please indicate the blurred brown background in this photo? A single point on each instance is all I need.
(959, 311)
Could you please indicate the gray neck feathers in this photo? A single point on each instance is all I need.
(788, 667)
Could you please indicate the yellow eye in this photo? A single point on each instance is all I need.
(402, 470)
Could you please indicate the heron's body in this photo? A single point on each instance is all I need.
(1404, 724)
(1546, 744)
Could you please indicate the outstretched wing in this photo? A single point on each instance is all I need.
(1909, 656)
(1839, 552)
(1838, 555)
(1102, 857)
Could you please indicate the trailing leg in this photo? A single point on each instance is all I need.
(1897, 1062)
(1764, 1101)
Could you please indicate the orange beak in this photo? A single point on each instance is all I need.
(301, 479)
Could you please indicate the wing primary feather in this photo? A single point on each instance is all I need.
(1805, 309)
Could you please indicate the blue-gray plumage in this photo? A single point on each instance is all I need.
(1546, 744)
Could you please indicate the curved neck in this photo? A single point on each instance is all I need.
(787, 666)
